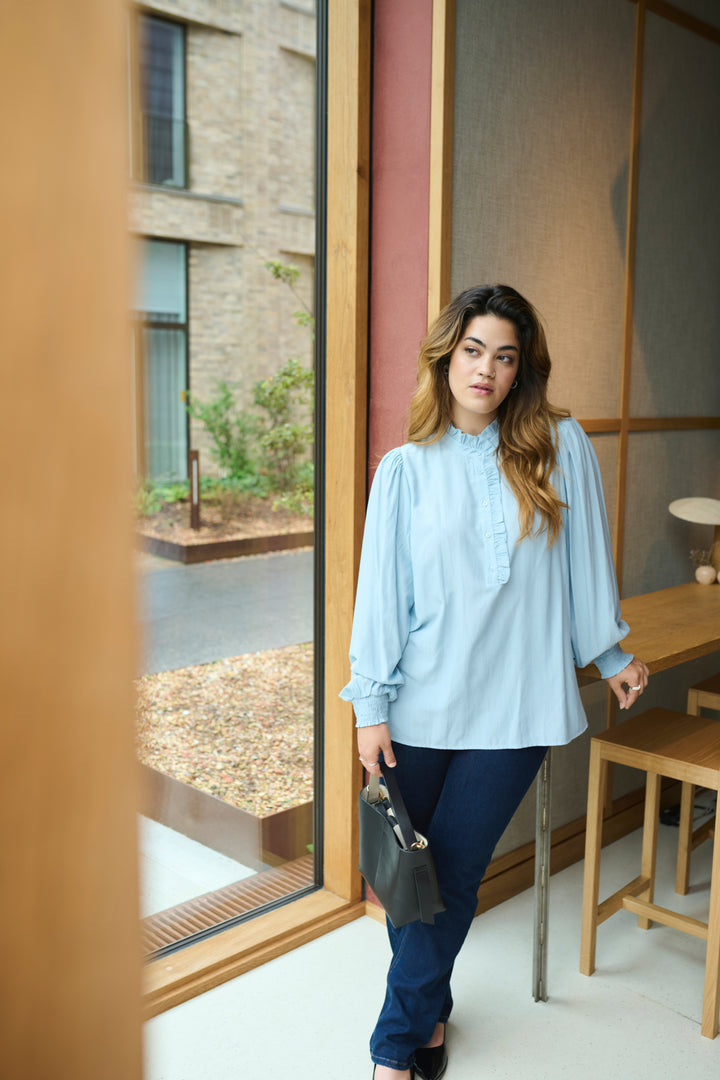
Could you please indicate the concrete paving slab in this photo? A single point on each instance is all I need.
(212, 611)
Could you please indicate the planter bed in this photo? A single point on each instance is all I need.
(208, 550)
(251, 527)
(255, 841)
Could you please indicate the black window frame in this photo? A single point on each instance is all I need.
(145, 118)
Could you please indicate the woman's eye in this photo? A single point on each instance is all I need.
(505, 359)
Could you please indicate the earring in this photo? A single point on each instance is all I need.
(514, 385)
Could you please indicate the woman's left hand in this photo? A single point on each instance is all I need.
(628, 684)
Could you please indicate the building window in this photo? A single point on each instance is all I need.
(162, 90)
(161, 350)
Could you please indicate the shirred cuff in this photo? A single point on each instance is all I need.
(371, 710)
(613, 661)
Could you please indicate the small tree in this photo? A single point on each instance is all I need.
(284, 438)
(300, 497)
(279, 430)
(230, 430)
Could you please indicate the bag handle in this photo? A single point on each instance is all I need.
(397, 803)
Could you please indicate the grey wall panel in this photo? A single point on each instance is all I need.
(606, 449)
(676, 351)
(663, 466)
(542, 121)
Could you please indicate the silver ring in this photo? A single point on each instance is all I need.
(367, 764)
(638, 687)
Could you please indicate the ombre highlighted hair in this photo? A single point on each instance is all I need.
(528, 423)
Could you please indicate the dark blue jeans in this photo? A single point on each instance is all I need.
(462, 800)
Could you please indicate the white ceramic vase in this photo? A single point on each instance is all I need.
(705, 574)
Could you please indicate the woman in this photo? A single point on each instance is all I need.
(486, 578)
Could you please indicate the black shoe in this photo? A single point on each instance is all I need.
(412, 1072)
(431, 1062)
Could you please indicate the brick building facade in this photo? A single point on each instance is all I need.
(223, 147)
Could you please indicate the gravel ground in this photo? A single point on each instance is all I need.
(239, 729)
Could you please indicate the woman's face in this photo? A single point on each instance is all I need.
(483, 367)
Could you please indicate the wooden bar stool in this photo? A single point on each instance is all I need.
(704, 695)
(662, 743)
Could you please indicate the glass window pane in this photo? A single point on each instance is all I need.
(225, 306)
(162, 85)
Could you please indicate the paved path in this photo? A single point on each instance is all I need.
(211, 611)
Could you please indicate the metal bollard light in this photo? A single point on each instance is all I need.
(194, 471)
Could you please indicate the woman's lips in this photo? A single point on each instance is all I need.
(481, 388)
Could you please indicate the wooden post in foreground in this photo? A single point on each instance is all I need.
(69, 932)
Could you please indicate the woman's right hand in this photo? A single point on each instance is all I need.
(373, 741)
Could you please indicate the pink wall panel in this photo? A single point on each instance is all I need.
(399, 217)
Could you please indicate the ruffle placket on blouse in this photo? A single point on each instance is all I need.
(483, 447)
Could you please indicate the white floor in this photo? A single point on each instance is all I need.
(174, 868)
(308, 1014)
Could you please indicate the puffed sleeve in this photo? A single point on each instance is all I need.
(596, 621)
(384, 597)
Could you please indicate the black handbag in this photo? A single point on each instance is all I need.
(394, 859)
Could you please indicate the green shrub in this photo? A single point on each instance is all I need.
(267, 450)
(230, 430)
(147, 501)
(284, 440)
(150, 496)
(302, 498)
(178, 491)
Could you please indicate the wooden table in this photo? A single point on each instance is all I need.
(667, 628)
(671, 626)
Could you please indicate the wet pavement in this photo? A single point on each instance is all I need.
(215, 610)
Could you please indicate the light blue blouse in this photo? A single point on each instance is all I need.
(463, 637)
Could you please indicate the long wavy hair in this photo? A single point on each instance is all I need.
(528, 423)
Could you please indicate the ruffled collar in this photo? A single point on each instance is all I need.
(486, 442)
